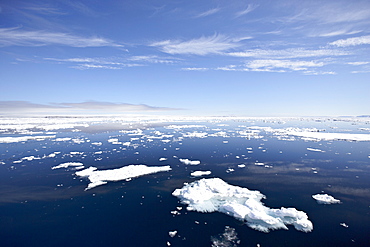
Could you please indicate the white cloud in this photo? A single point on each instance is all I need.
(288, 53)
(211, 195)
(208, 12)
(358, 63)
(215, 44)
(363, 40)
(258, 65)
(249, 9)
(18, 37)
(153, 59)
(195, 69)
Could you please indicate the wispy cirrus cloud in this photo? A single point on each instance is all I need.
(269, 65)
(208, 12)
(215, 44)
(289, 53)
(362, 40)
(113, 62)
(249, 9)
(19, 37)
(273, 65)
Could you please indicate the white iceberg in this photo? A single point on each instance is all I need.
(190, 162)
(69, 164)
(200, 173)
(213, 194)
(127, 172)
(325, 199)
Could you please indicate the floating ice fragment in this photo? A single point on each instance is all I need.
(259, 164)
(200, 173)
(190, 162)
(68, 164)
(241, 165)
(127, 172)
(344, 225)
(315, 150)
(162, 159)
(325, 199)
(172, 233)
(97, 143)
(23, 138)
(228, 239)
(213, 194)
(63, 139)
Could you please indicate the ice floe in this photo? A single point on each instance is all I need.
(24, 138)
(190, 162)
(325, 199)
(69, 164)
(213, 194)
(315, 150)
(172, 233)
(100, 177)
(200, 173)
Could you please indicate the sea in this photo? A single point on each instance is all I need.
(42, 206)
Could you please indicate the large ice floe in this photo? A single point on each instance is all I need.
(325, 199)
(100, 177)
(214, 194)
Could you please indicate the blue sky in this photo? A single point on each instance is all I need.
(244, 58)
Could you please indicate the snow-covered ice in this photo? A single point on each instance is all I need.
(200, 173)
(172, 233)
(69, 164)
(100, 177)
(325, 199)
(213, 194)
(24, 138)
(190, 162)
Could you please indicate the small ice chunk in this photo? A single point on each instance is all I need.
(162, 159)
(172, 233)
(69, 164)
(259, 164)
(343, 224)
(190, 162)
(200, 173)
(315, 150)
(241, 165)
(325, 199)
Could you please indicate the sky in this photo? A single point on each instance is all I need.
(218, 58)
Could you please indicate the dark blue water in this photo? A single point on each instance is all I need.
(44, 207)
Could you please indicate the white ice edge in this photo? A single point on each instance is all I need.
(213, 194)
(325, 199)
(99, 177)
